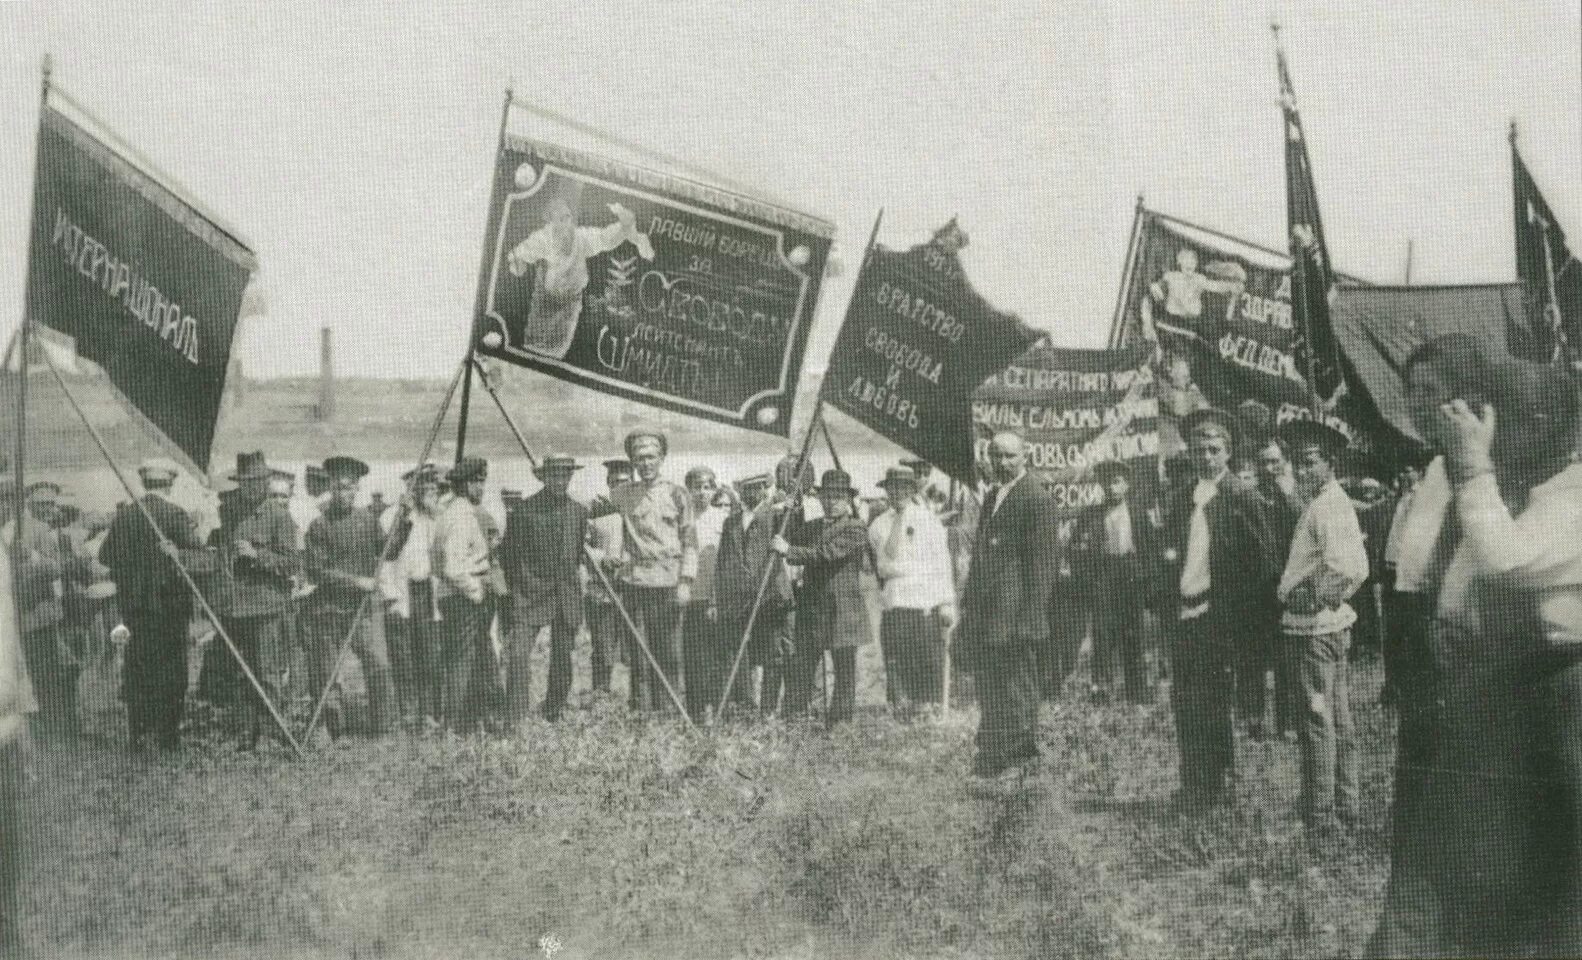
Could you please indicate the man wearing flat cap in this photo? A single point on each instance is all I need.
(606, 632)
(461, 569)
(342, 556)
(1218, 557)
(1328, 561)
(155, 604)
(1111, 544)
(258, 544)
(918, 591)
(542, 558)
(658, 566)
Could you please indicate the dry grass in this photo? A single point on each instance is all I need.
(624, 838)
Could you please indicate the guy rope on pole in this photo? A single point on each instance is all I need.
(384, 551)
(165, 543)
(593, 561)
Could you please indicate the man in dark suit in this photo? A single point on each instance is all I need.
(743, 554)
(1005, 608)
(1218, 553)
(155, 604)
(542, 558)
(1111, 544)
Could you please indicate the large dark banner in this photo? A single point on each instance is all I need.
(648, 286)
(916, 341)
(1077, 409)
(1219, 317)
(147, 286)
(1551, 277)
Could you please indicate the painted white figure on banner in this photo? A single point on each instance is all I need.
(559, 250)
(1181, 290)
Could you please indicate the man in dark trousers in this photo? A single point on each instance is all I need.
(542, 558)
(1110, 546)
(155, 604)
(606, 632)
(744, 553)
(258, 545)
(1005, 608)
(832, 613)
(342, 557)
(1277, 493)
(460, 561)
(1218, 554)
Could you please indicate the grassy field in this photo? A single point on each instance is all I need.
(616, 837)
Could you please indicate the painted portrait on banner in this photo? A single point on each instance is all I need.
(648, 286)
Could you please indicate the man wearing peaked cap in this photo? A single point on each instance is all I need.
(469, 470)
(462, 562)
(1218, 554)
(342, 554)
(660, 564)
(832, 614)
(541, 555)
(407, 581)
(922, 469)
(155, 604)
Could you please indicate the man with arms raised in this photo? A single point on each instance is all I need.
(1005, 608)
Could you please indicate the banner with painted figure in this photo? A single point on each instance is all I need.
(1077, 409)
(147, 286)
(916, 342)
(1218, 315)
(648, 286)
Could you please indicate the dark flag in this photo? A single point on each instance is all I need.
(147, 285)
(648, 286)
(916, 342)
(1551, 278)
(1316, 350)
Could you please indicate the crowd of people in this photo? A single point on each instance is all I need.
(1256, 563)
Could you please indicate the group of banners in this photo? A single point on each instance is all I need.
(670, 292)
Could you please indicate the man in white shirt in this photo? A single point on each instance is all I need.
(1326, 565)
(407, 587)
(917, 580)
(460, 565)
(1109, 542)
(700, 648)
(1401, 615)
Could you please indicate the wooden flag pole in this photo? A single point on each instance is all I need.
(164, 542)
(21, 341)
(485, 262)
(587, 551)
(785, 518)
(829, 443)
(384, 556)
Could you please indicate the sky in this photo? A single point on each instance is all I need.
(351, 143)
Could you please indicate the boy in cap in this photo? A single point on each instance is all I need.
(606, 632)
(408, 590)
(155, 604)
(461, 568)
(1218, 556)
(542, 558)
(1327, 563)
(659, 565)
(832, 613)
(917, 583)
(342, 556)
(700, 647)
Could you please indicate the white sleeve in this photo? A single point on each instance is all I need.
(1541, 548)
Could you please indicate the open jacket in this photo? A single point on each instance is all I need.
(831, 611)
(541, 556)
(1014, 564)
(1241, 559)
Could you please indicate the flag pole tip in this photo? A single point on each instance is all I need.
(48, 66)
(1513, 130)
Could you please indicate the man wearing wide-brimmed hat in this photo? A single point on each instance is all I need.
(658, 566)
(155, 604)
(342, 559)
(1328, 561)
(461, 569)
(832, 614)
(1218, 556)
(606, 632)
(542, 558)
(258, 544)
(912, 558)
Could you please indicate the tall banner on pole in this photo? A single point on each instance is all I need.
(916, 342)
(1551, 277)
(1077, 409)
(146, 284)
(1313, 343)
(648, 286)
(1220, 317)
